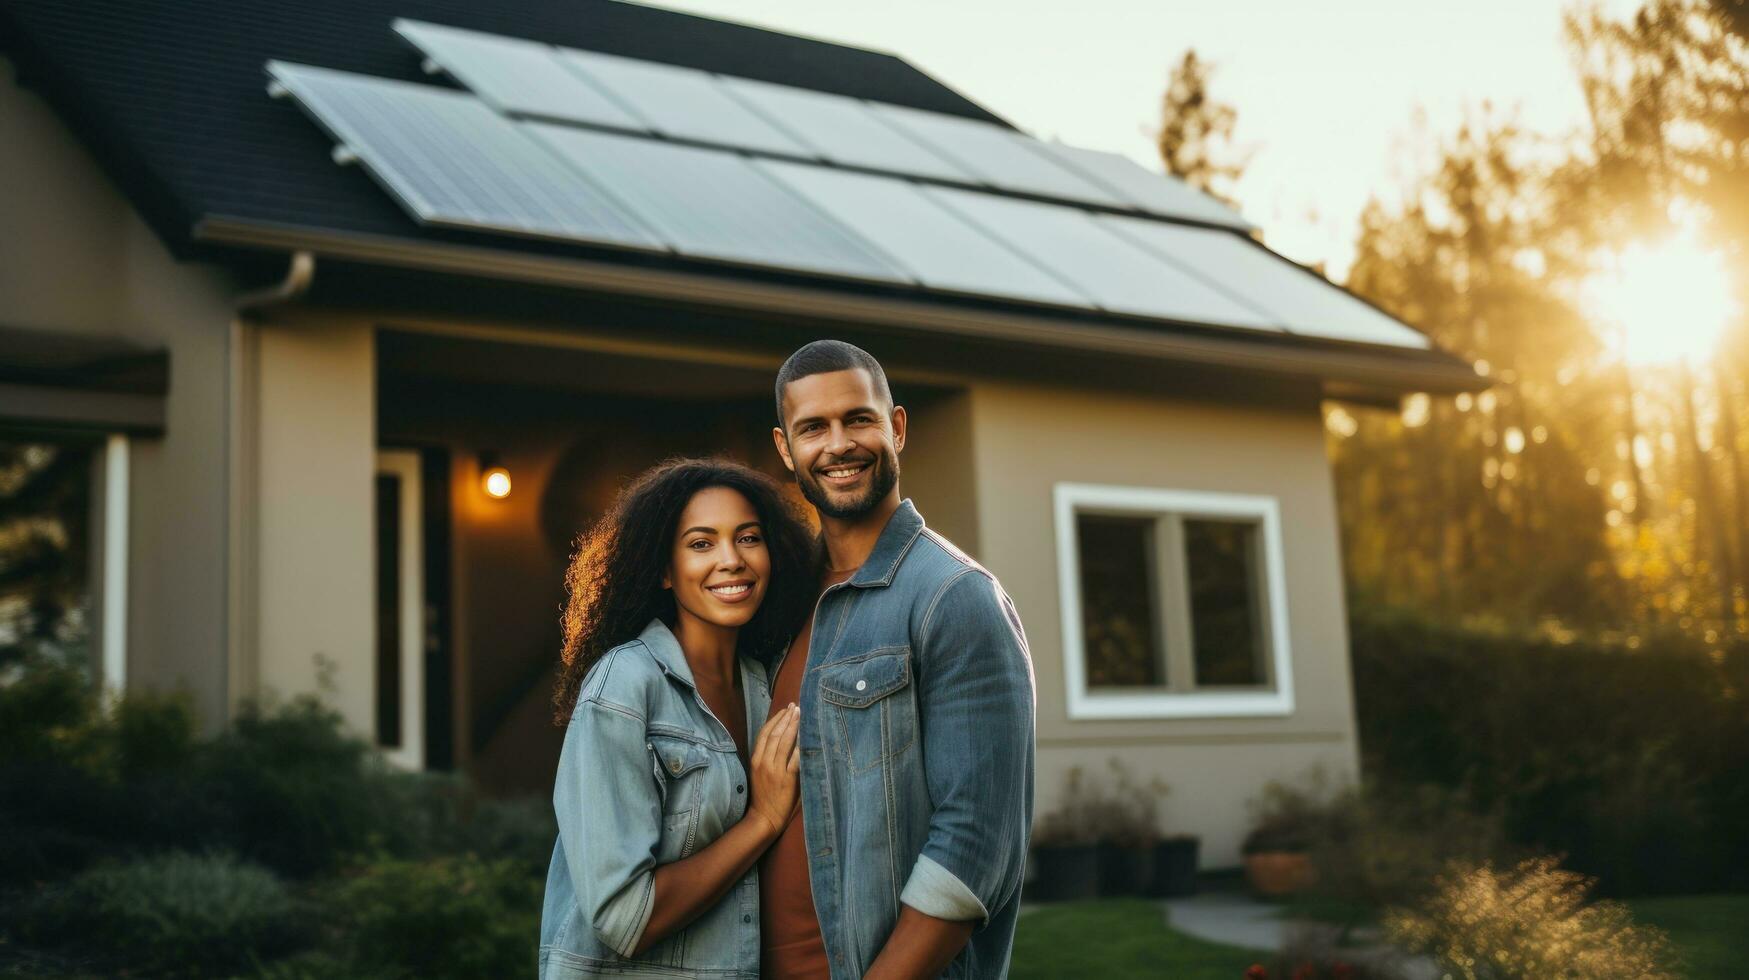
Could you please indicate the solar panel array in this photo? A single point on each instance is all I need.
(451, 161)
(584, 146)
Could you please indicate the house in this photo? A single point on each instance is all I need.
(360, 310)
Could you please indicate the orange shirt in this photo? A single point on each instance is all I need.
(791, 946)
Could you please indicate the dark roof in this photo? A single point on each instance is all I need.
(171, 97)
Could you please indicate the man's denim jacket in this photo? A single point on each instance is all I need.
(647, 776)
(917, 751)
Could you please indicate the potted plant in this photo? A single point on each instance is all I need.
(1128, 823)
(1277, 851)
(1065, 847)
(1175, 864)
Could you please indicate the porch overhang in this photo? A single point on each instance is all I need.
(1356, 372)
(65, 383)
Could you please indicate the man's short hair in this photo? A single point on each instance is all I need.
(824, 357)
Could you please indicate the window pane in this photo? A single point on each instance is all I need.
(1117, 601)
(1224, 610)
(45, 501)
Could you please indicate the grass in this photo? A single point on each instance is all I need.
(1116, 938)
(1708, 931)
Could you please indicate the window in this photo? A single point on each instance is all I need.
(63, 555)
(1173, 603)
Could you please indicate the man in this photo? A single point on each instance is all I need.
(916, 691)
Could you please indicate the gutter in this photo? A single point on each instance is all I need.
(1348, 370)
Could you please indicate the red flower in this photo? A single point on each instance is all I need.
(1256, 972)
(1341, 971)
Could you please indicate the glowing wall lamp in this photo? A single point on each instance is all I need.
(494, 478)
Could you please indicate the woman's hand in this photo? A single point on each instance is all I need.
(777, 761)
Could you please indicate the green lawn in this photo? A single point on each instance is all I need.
(1710, 932)
(1118, 938)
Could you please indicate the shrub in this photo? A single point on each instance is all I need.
(176, 913)
(1127, 814)
(1529, 922)
(1626, 760)
(1378, 846)
(289, 788)
(459, 917)
(1287, 818)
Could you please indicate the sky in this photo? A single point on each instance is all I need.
(1330, 95)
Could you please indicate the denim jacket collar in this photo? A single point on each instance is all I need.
(896, 539)
(664, 646)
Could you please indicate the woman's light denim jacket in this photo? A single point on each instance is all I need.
(917, 751)
(647, 776)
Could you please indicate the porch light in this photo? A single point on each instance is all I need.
(494, 478)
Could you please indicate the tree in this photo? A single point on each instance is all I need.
(1196, 132)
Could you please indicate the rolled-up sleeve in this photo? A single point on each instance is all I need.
(976, 696)
(610, 820)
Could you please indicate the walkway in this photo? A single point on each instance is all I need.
(1236, 919)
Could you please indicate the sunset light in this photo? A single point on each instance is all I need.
(1667, 302)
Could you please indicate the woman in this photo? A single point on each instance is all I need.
(699, 571)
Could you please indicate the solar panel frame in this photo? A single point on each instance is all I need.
(844, 130)
(998, 157)
(683, 103)
(451, 161)
(715, 204)
(1304, 302)
(1121, 276)
(517, 76)
(935, 245)
(1143, 189)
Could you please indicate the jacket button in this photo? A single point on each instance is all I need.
(746, 918)
(861, 685)
(673, 765)
(740, 789)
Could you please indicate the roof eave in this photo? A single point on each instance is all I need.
(1347, 371)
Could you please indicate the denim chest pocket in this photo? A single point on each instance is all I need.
(873, 709)
(682, 769)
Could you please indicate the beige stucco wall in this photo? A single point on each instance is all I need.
(75, 257)
(1029, 438)
(313, 435)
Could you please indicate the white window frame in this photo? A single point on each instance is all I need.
(404, 464)
(1073, 498)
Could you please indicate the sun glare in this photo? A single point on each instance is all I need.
(1668, 302)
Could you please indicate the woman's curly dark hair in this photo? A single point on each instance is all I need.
(615, 578)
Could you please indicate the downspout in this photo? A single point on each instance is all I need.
(242, 496)
(298, 277)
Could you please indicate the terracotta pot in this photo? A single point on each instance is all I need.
(1273, 874)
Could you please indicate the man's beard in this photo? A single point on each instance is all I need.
(882, 479)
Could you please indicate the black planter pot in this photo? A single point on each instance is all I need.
(1125, 870)
(1066, 872)
(1175, 867)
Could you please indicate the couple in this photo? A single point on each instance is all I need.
(786, 757)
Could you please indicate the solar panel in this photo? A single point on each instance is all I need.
(516, 76)
(450, 160)
(715, 204)
(936, 246)
(1119, 275)
(683, 103)
(1155, 193)
(843, 130)
(999, 157)
(1304, 302)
